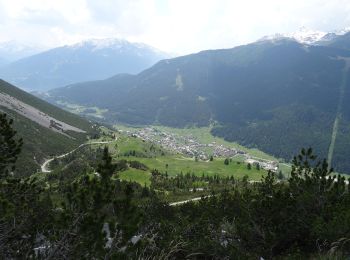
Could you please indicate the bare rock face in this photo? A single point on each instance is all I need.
(36, 115)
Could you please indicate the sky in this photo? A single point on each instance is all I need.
(174, 26)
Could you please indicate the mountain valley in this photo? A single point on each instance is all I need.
(236, 149)
(275, 95)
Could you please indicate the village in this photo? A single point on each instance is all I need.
(188, 145)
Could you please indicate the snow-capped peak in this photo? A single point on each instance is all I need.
(307, 36)
(114, 43)
(343, 31)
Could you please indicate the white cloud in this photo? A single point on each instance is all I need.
(181, 26)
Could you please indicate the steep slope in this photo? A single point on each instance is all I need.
(45, 129)
(89, 60)
(276, 95)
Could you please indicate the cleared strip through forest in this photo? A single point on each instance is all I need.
(339, 110)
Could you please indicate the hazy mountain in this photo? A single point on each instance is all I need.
(342, 42)
(11, 51)
(46, 130)
(277, 95)
(3, 62)
(88, 60)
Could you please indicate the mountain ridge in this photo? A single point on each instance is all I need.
(307, 36)
(87, 60)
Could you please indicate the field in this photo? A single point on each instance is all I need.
(86, 111)
(174, 165)
(136, 175)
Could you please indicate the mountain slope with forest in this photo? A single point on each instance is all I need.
(46, 129)
(277, 95)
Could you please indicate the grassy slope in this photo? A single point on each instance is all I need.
(138, 176)
(178, 164)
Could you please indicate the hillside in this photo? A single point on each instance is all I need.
(88, 60)
(45, 129)
(276, 95)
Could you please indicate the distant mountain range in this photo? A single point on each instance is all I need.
(11, 51)
(46, 130)
(278, 95)
(308, 36)
(87, 60)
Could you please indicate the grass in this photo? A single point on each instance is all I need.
(156, 157)
(285, 169)
(88, 111)
(178, 164)
(139, 176)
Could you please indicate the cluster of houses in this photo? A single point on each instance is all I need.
(188, 145)
(264, 164)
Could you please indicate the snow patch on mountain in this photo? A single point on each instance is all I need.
(114, 44)
(307, 36)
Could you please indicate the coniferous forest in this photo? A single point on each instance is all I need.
(95, 216)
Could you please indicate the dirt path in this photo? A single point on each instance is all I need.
(45, 165)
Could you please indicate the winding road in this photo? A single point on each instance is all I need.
(44, 166)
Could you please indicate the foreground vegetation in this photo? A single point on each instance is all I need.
(85, 211)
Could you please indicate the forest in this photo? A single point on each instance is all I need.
(91, 214)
